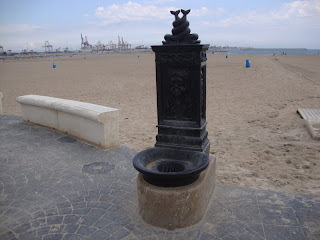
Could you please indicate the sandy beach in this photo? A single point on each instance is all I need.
(259, 139)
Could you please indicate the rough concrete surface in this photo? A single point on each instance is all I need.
(47, 192)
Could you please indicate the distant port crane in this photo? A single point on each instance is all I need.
(85, 44)
(123, 45)
(47, 47)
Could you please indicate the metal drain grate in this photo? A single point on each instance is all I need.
(170, 167)
(97, 168)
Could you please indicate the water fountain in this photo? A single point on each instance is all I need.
(181, 154)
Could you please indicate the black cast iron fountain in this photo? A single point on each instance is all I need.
(182, 147)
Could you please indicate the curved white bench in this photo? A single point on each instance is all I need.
(94, 123)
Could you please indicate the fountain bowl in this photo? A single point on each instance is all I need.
(170, 167)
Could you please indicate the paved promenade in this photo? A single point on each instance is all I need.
(54, 187)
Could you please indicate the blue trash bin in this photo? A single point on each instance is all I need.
(54, 65)
(248, 63)
(226, 56)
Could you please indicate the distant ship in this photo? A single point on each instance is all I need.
(215, 49)
(141, 47)
(219, 51)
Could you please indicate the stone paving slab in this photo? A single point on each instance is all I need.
(54, 187)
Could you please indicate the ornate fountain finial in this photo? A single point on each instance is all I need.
(181, 31)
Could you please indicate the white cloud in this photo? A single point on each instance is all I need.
(200, 12)
(32, 45)
(220, 11)
(293, 24)
(306, 10)
(132, 11)
(158, 2)
(18, 28)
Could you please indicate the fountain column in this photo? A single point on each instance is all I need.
(177, 176)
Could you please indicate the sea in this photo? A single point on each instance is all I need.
(270, 51)
(262, 51)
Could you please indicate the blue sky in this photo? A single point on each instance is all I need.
(248, 23)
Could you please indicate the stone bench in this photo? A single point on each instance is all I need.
(93, 123)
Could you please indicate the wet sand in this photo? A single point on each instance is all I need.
(259, 139)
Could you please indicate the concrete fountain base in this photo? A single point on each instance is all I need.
(176, 207)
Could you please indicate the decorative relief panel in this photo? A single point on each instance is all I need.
(177, 59)
(178, 96)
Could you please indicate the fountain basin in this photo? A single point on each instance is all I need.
(170, 167)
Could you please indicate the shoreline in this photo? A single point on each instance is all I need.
(212, 50)
(18, 56)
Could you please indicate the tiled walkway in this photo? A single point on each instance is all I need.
(56, 187)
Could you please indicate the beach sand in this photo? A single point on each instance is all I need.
(259, 139)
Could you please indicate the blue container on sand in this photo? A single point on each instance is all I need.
(54, 65)
(248, 63)
(226, 56)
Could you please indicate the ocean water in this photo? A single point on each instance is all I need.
(277, 51)
(263, 51)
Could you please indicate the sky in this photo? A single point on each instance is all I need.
(248, 23)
